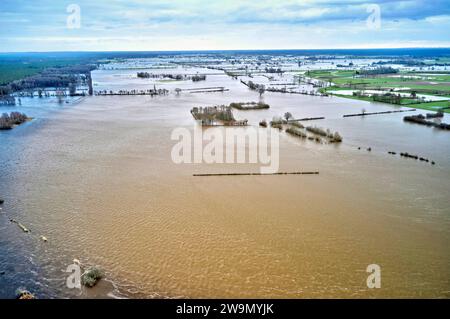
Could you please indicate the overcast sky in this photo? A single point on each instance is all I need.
(104, 25)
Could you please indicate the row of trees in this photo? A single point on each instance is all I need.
(388, 98)
(405, 62)
(178, 77)
(297, 129)
(274, 70)
(420, 119)
(377, 71)
(260, 88)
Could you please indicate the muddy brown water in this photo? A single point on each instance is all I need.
(96, 178)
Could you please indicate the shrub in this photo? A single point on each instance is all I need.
(297, 124)
(296, 132)
(91, 277)
(316, 130)
(7, 122)
(276, 120)
(276, 125)
(24, 294)
(337, 138)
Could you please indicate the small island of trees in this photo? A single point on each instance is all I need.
(9, 121)
(250, 106)
(216, 116)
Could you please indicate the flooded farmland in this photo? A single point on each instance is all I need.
(95, 177)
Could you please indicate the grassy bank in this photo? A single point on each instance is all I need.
(430, 106)
(426, 82)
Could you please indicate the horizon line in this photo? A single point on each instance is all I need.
(228, 50)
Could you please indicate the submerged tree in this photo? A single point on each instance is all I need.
(261, 90)
(72, 89)
(287, 116)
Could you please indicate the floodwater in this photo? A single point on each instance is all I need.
(96, 178)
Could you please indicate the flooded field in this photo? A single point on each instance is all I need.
(95, 176)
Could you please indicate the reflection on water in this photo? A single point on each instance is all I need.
(97, 180)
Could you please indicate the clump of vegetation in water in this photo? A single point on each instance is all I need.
(143, 75)
(337, 138)
(256, 87)
(297, 124)
(316, 130)
(250, 105)
(91, 277)
(438, 114)
(24, 294)
(332, 137)
(276, 125)
(296, 132)
(198, 77)
(420, 119)
(263, 123)
(216, 115)
(287, 116)
(8, 121)
(315, 138)
(277, 122)
(209, 115)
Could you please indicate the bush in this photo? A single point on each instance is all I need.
(296, 124)
(337, 138)
(7, 122)
(333, 137)
(197, 78)
(143, 75)
(276, 125)
(91, 277)
(316, 130)
(296, 132)
(276, 120)
(24, 294)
